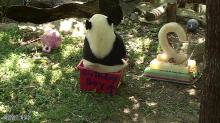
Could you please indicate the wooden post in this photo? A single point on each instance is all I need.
(156, 13)
(171, 11)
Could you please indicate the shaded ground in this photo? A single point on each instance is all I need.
(46, 86)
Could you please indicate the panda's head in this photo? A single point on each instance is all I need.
(99, 25)
(100, 34)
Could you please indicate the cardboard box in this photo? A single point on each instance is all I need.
(91, 80)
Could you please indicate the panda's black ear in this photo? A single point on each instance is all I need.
(110, 21)
(88, 25)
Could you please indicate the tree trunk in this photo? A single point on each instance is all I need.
(210, 100)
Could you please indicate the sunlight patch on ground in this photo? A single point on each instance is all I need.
(12, 95)
(191, 92)
(147, 41)
(40, 79)
(66, 25)
(79, 30)
(56, 66)
(18, 63)
(68, 50)
(12, 61)
(3, 108)
(72, 26)
(36, 114)
(25, 64)
(151, 104)
(140, 60)
(136, 106)
(22, 27)
(56, 75)
(127, 111)
(14, 65)
(146, 85)
(1, 35)
(31, 102)
(130, 35)
(136, 77)
(46, 27)
(201, 40)
(69, 69)
(139, 43)
(135, 117)
(194, 103)
(133, 99)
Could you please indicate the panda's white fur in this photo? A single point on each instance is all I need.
(104, 68)
(101, 39)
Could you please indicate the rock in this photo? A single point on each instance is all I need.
(7, 26)
(134, 16)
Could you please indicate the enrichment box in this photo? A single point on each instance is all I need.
(91, 80)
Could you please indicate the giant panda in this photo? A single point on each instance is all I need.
(103, 50)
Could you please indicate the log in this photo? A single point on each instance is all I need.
(156, 13)
(43, 15)
(86, 10)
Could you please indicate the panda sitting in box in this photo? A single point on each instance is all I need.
(104, 50)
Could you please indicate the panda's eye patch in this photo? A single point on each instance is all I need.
(88, 25)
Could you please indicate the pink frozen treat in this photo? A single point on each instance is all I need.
(51, 40)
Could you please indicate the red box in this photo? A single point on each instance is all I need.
(91, 80)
